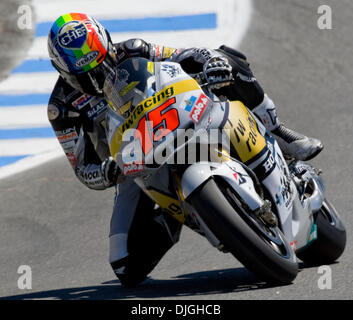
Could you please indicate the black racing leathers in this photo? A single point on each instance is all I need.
(244, 87)
(79, 120)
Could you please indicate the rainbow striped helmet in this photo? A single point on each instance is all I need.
(82, 51)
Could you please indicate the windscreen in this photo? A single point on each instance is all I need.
(131, 82)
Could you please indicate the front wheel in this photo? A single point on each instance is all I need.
(331, 238)
(261, 249)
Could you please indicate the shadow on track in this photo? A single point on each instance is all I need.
(187, 285)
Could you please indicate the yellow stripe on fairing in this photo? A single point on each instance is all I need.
(167, 203)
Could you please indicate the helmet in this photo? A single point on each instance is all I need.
(82, 52)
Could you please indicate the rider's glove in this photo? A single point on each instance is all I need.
(110, 172)
(218, 72)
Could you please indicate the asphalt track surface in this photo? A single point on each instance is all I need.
(58, 227)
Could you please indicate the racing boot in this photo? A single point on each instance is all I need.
(292, 144)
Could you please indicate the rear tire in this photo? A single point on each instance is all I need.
(261, 249)
(331, 238)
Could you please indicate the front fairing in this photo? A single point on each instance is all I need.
(163, 102)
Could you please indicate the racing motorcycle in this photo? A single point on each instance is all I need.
(214, 167)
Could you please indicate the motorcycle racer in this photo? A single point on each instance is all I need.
(83, 53)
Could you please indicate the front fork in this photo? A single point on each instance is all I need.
(296, 192)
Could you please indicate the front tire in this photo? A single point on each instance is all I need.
(262, 250)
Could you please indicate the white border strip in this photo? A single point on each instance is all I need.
(29, 163)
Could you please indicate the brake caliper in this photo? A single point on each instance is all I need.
(265, 214)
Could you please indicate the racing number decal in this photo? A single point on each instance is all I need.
(163, 124)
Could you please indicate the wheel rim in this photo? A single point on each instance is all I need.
(269, 235)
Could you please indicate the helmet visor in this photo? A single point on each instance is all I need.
(92, 81)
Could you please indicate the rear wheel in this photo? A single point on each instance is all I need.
(260, 248)
(331, 238)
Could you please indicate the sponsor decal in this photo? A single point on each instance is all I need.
(81, 101)
(53, 112)
(284, 194)
(66, 135)
(239, 178)
(235, 176)
(168, 52)
(269, 164)
(98, 109)
(72, 35)
(266, 167)
(171, 70)
(72, 159)
(199, 108)
(158, 53)
(68, 146)
(133, 168)
(86, 59)
(190, 103)
(294, 244)
(93, 177)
